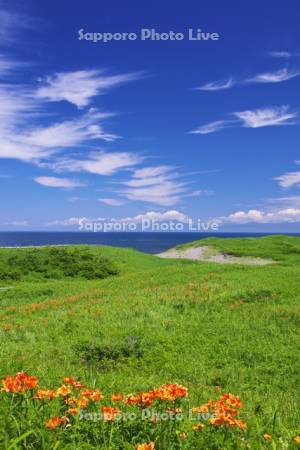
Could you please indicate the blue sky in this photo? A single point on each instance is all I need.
(177, 128)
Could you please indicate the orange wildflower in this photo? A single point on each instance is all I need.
(64, 391)
(69, 380)
(71, 401)
(143, 399)
(240, 424)
(268, 437)
(231, 400)
(198, 427)
(170, 392)
(73, 411)
(92, 394)
(297, 440)
(54, 422)
(201, 409)
(146, 446)
(45, 393)
(109, 413)
(20, 382)
(73, 382)
(182, 436)
(82, 403)
(116, 397)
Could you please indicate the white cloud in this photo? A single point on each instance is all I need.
(111, 201)
(149, 172)
(81, 86)
(58, 182)
(68, 133)
(33, 144)
(217, 85)
(265, 117)
(287, 215)
(212, 127)
(169, 215)
(290, 201)
(142, 182)
(289, 179)
(158, 216)
(21, 134)
(280, 54)
(274, 77)
(7, 65)
(165, 194)
(16, 101)
(99, 163)
(72, 221)
(158, 185)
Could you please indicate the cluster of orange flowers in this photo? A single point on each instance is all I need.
(224, 411)
(20, 382)
(56, 421)
(168, 392)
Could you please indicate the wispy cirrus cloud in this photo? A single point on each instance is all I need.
(212, 127)
(111, 201)
(99, 163)
(217, 85)
(280, 54)
(32, 144)
(8, 66)
(68, 133)
(274, 77)
(289, 179)
(266, 117)
(257, 118)
(16, 101)
(55, 182)
(289, 201)
(160, 185)
(81, 86)
(25, 131)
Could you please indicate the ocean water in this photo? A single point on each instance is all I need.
(144, 242)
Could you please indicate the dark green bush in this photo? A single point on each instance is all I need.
(54, 263)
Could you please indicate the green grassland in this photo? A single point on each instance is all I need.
(124, 321)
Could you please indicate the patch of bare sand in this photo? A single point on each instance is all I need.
(210, 255)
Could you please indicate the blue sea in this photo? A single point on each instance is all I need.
(144, 241)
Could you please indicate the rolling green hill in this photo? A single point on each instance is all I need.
(136, 322)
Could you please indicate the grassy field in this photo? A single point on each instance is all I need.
(141, 322)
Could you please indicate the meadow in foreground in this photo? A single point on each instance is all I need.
(151, 353)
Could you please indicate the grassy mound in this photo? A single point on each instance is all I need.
(54, 263)
(279, 248)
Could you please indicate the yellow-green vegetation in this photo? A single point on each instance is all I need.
(147, 322)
